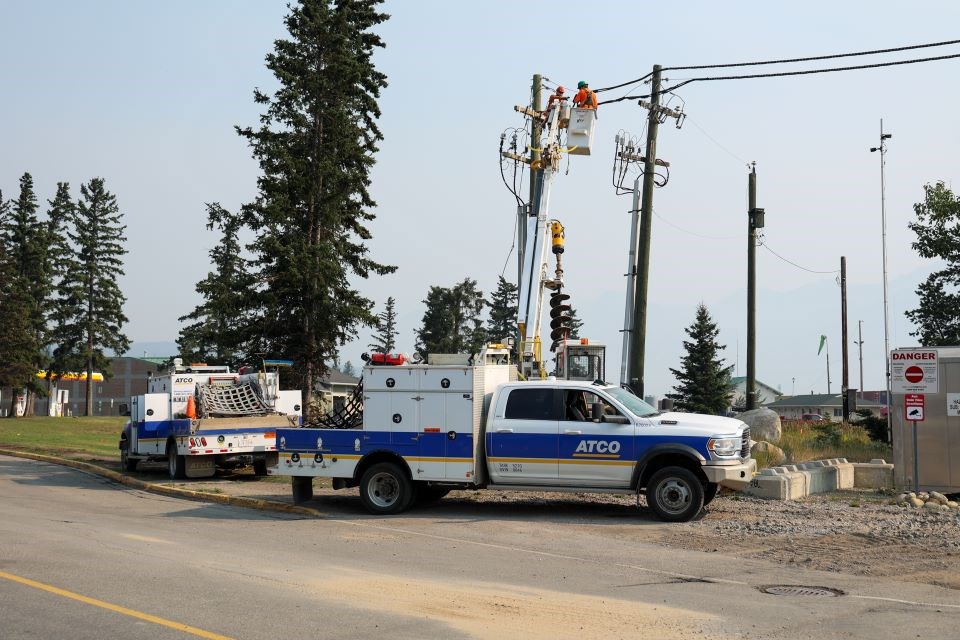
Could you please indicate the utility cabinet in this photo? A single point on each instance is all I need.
(925, 418)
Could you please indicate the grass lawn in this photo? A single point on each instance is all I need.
(76, 437)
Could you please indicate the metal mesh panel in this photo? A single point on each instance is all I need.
(239, 400)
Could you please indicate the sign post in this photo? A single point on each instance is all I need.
(914, 409)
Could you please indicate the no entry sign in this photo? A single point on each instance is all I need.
(913, 406)
(914, 371)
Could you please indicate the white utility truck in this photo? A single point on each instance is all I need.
(427, 429)
(200, 417)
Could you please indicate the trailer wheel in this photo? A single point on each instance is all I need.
(385, 489)
(302, 487)
(126, 462)
(675, 494)
(260, 467)
(709, 492)
(176, 465)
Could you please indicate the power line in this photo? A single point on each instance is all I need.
(714, 141)
(811, 58)
(804, 72)
(693, 233)
(764, 245)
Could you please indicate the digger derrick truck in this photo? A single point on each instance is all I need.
(417, 431)
(200, 417)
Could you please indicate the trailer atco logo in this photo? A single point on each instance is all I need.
(604, 447)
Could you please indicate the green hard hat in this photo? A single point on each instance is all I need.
(581, 84)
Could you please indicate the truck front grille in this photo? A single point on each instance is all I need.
(745, 447)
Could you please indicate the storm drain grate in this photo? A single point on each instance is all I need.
(800, 590)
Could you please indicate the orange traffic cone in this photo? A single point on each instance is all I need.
(191, 408)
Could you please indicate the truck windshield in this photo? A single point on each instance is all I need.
(634, 404)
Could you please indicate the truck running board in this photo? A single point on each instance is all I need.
(541, 487)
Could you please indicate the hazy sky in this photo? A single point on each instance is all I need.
(146, 95)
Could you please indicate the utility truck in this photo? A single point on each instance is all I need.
(427, 429)
(199, 417)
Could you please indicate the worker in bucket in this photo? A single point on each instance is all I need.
(586, 98)
(556, 97)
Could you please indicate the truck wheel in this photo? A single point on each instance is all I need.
(260, 467)
(176, 465)
(709, 492)
(675, 494)
(126, 462)
(385, 489)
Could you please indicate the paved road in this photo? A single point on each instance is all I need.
(81, 557)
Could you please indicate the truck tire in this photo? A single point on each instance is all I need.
(260, 467)
(709, 492)
(126, 462)
(675, 494)
(385, 489)
(176, 465)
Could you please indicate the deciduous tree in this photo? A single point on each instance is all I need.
(938, 237)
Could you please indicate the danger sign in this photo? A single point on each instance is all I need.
(913, 406)
(914, 371)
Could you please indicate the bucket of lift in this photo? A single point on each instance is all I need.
(580, 131)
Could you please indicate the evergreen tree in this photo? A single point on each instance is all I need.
(93, 306)
(220, 328)
(502, 323)
(575, 323)
(57, 266)
(703, 382)
(938, 237)
(17, 349)
(385, 340)
(452, 322)
(26, 241)
(315, 146)
(348, 369)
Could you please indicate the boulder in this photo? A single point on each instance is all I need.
(764, 424)
(916, 503)
(775, 453)
(939, 497)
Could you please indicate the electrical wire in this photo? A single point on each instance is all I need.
(693, 233)
(811, 58)
(765, 246)
(804, 72)
(714, 141)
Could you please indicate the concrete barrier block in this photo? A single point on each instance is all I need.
(774, 487)
(871, 475)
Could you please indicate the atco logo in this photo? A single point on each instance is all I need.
(187, 380)
(598, 446)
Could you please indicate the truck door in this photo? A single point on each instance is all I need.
(522, 439)
(594, 453)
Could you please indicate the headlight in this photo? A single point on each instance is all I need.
(724, 447)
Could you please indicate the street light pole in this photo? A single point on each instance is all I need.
(883, 221)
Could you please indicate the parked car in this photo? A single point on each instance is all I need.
(813, 417)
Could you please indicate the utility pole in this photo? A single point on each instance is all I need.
(859, 344)
(524, 213)
(639, 337)
(883, 222)
(754, 222)
(845, 400)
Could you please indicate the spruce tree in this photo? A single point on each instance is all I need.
(575, 323)
(385, 339)
(315, 146)
(93, 305)
(220, 328)
(26, 241)
(703, 381)
(17, 349)
(502, 323)
(938, 237)
(57, 266)
(452, 321)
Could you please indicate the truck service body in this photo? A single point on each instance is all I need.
(239, 414)
(427, 429)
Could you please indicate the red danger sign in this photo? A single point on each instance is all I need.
(913, 374)
(914, 371)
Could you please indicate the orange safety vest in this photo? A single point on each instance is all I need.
(585, 99)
